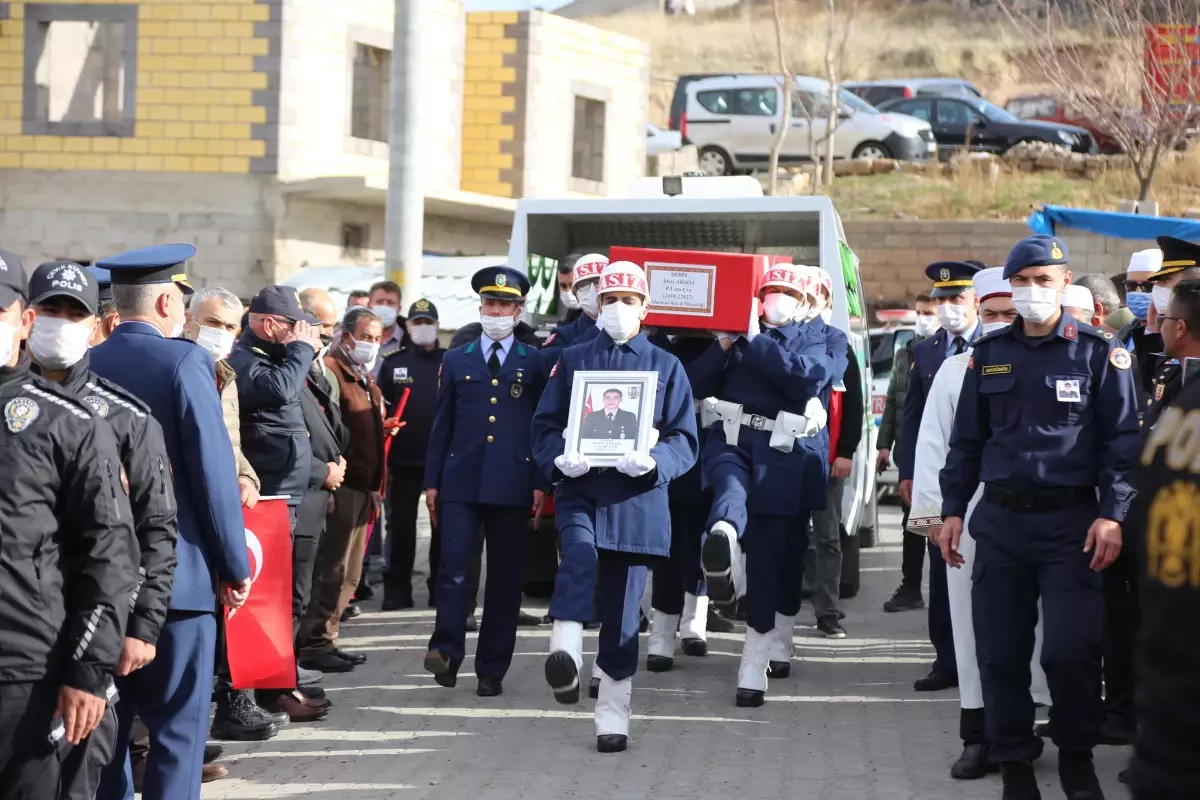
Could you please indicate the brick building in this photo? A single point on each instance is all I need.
(257, 129)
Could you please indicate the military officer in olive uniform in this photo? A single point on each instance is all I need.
(480, 471)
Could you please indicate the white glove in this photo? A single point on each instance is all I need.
(635, 465)
(571, 464)
(815, 417)
(653, 436)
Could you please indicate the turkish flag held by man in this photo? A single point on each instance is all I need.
(259, 633)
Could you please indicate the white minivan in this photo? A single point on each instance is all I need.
(733, 120)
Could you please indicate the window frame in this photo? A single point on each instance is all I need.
(592, 176)
(39, 14)
(377, 39)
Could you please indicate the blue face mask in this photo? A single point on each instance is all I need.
(1138, 303)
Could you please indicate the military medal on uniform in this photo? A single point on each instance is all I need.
(516, 389)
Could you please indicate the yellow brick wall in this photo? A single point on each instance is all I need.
(489, 92)
(195, 87)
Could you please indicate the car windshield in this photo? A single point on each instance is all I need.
(856, 104)
(991, 111)
(883, 353)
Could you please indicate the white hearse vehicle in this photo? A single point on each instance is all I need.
(729, 215)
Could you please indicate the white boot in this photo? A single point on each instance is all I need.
(661, 648)
(565, 660)
(721, 559)
(692, 625)
(594, 685)
(752, 671)
(780, 640)
(612, 714)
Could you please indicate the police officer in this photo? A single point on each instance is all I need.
(1178, 267)
(767, 460)
(613, 523)
(175, 379)
(479, 471)
(70, 568)
(958, 313)
(1165, 520)
(1046, 417)
(107, 318)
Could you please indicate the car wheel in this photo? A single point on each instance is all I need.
(715, 162)
(872, 150)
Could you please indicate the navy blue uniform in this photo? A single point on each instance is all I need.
(613, 526)
(480, 463)
(765, 494)
(578, 331)
(1044, 423)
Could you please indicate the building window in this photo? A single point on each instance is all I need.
(587, 158)
(354, 239)
(80, 70)
(371, 95)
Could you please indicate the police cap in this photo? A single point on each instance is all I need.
(423, 309)
(12, 279)
(1176, 255)
(951, 277)
(64, 279)
(280, 301)
(162, 263)
(1038, 250)
(500, 283)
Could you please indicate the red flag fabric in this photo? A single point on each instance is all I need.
(587, 405)
(259, 634)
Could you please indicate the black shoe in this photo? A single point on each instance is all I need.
(594, 688)
(212, 752)
(831, 627)
(312, 692)
(643, 622)
(973, 764)
(276, 718)
(739, 612)
(659, 663)
(750, 698)
(778, 670)
(718, 572)
(238, 719)
(611, 743)
(1117, 731)
(1125, 776)
(1019, 781)
(547, 620)
(327, 662)
(351, 612)
(443, 668)
(935, 682)
(563, 677)
(489, 687)
(354, 658)
(1042, 730)
(906, 598)
(364, 591)
(717, 623)
(528, 620)
(694, 647)
(1077, 775)
(396, 600)
(472, 624)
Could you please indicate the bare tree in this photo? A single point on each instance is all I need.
(835, 54)
(1117, 56)
(786, 86)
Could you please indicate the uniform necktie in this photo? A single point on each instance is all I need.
(494, 360)
(959, 345)
(610, 417)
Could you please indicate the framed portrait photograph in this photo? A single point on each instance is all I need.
(612, 414)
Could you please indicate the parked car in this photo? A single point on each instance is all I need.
(876, 92)
(991, 128)
(734, 119)
(659, 141)
(885, 343)
(1048, 108)
(679, 98)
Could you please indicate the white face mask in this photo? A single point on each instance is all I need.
(1035, 303)
(497, 327)
(57, 343)
(826, 315)
(7, 346)
(953, 318)
(178, 328)
(588, 301)
(988, 327)
(927, 325)
(780, 309)
(621, 321)
(386, 314)
(363, 352)
(1160, 295)
(423, 335)
(568, 299)
(216, 341)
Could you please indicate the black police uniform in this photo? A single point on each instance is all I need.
(1165, 517)
(415, 369)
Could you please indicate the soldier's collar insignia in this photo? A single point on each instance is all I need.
(20, 413)
(1119, 358)
(98, 405)
(1069, 332)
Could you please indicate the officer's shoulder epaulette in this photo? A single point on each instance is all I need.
(54, 395)
(1095, 332)
(987, 336)
(102, 395)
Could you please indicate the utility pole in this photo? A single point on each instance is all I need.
(405, 216)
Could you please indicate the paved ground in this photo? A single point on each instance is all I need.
(845, 726)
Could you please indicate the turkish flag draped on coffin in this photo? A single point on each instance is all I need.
(259, 634)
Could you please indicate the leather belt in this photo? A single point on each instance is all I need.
(1038, 500)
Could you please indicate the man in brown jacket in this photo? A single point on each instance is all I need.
(340, 553)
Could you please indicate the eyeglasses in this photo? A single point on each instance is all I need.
(1175, 319)
(1138, 286)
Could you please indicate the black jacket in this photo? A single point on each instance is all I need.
(852, 408)
(325, 430)
(270, 378)
(68, 560)
(522, 332)
(151, 492)
(416, 369)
